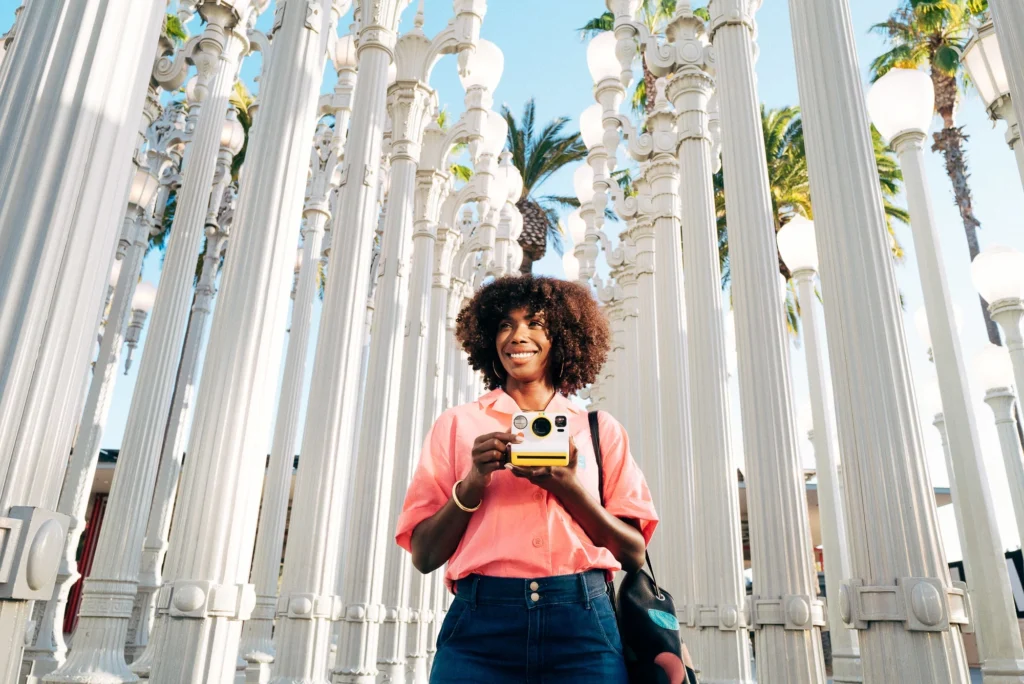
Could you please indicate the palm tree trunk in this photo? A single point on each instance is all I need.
(526, 267)
(650, 87)
(950, 142)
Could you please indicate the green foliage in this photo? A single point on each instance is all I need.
(539, 154)
(174, 30)
(241, 100)
(459, 172)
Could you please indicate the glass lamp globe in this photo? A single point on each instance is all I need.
(571, 265)
(232, 136)
(601, 59)
(145, 296)
(495, 132)
(577, 227)
(592, 125)
(998, 273)
(930, 399)
(903, 100)
(992, 367)
(583, 183)
(484, 67)
(984, 63)
(144, 187)
(392, 73)
(797, 244)
(115, 272)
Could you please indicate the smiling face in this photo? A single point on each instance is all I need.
(523, 346)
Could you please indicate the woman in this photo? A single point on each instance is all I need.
(529, 550)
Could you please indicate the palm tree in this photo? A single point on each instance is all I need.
(789, 183)
(655, 15)
(174, 30)
(538, 156)
(931, 34)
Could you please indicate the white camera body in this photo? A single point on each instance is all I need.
(545, 439)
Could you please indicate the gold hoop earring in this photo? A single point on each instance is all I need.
(497, 373)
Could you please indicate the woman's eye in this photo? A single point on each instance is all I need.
(536, 324)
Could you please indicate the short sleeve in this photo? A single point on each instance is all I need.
(625, 490)
(432, 482)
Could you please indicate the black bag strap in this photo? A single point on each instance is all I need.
(595, 438)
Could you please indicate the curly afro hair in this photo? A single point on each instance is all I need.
(577, 328)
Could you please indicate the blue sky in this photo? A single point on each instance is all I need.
(545, 59)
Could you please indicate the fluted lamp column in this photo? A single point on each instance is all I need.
(172, 451)
(911, 630)
(207, 595)
(798, 248)
(786, 613)
(62, 204)
(984, 63)
(993, 372)
(901, 106)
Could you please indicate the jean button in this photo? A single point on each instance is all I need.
(535, 597)
(534, 586)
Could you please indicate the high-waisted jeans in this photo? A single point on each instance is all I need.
(545, 630)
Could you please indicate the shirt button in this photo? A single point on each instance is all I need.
(538, 542)
(535, 597)
(534, 587)
(537, 496)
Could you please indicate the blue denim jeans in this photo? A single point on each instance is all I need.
(546, 630)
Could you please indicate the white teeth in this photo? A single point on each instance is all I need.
(522, 355)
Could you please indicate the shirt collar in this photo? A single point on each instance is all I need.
(503, 403)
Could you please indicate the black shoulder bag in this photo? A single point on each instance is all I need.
(645, 613)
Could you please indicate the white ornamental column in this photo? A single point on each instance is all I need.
(48, 648)
(206, 594)
(798, 248)
(154, 548)
(1001, 401)
(165, 490)
(677, 486)
(307, 604)
(69, 118)
(628, 363)
(720, 592)
(108, 593)
(786, 614)
(432, 182)
(1008, 18)
(912, 625)
(999, 641)
(257, 647)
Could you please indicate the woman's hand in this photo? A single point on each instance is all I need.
(554, 479)
(489, 454)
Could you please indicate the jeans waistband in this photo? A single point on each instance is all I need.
(532, 592)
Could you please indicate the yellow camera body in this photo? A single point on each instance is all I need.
(545, 439)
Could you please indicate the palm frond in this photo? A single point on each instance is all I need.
(174, 30)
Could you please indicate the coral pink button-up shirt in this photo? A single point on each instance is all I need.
(520, 529)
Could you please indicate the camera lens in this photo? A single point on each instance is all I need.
(560, 421)
(542, 427)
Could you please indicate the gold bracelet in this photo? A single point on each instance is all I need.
(455, 498)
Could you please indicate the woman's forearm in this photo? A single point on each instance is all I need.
(435, 539)
(622, 539)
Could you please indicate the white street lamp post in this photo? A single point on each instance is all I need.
(798, 248)
(206, 596)
(901, 104)
(48, 648)
(108, 594)
(984, 63)
(994, 372)
(786, 614)
(165, 490)
(63, 203)
(913, 623)
(1008, 17)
